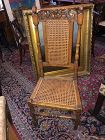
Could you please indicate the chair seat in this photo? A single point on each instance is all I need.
(56, 93)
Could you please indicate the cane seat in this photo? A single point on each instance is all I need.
(58, 93)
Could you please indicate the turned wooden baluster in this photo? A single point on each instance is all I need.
(36, 22)
(79, 21)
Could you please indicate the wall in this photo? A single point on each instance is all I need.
(15, 4)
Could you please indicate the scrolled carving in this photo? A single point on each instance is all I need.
(57, 14)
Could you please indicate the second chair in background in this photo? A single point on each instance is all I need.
(21, 41)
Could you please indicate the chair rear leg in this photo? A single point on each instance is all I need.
(20, 54)
(1, 55)
(34, 117)
(77, 120)
(24, 51)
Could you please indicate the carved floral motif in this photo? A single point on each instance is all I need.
(58, 14)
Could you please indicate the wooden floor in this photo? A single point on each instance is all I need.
(12, 134)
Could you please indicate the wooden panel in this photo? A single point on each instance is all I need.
(99, 1)
(12, 134)
(2, 16)
(5, 25)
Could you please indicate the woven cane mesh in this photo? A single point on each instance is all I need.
(56, 92)
(57, 41)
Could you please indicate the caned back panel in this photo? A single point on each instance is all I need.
(57, 35)
(58, 30)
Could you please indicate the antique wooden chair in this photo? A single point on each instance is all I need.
(21, 41)
(57, 92)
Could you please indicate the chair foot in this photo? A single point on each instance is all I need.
(75, 126)
(35, 121)
(20, 53)
(77, 121)
(1, 55)
(34, 117)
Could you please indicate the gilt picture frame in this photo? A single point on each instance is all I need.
(86, 40)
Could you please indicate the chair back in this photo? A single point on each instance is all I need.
(58, 28)
(17, 32)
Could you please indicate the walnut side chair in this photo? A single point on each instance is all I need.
(21, 41)
(59, 93)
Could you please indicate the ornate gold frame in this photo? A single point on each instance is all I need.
(86, 37)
